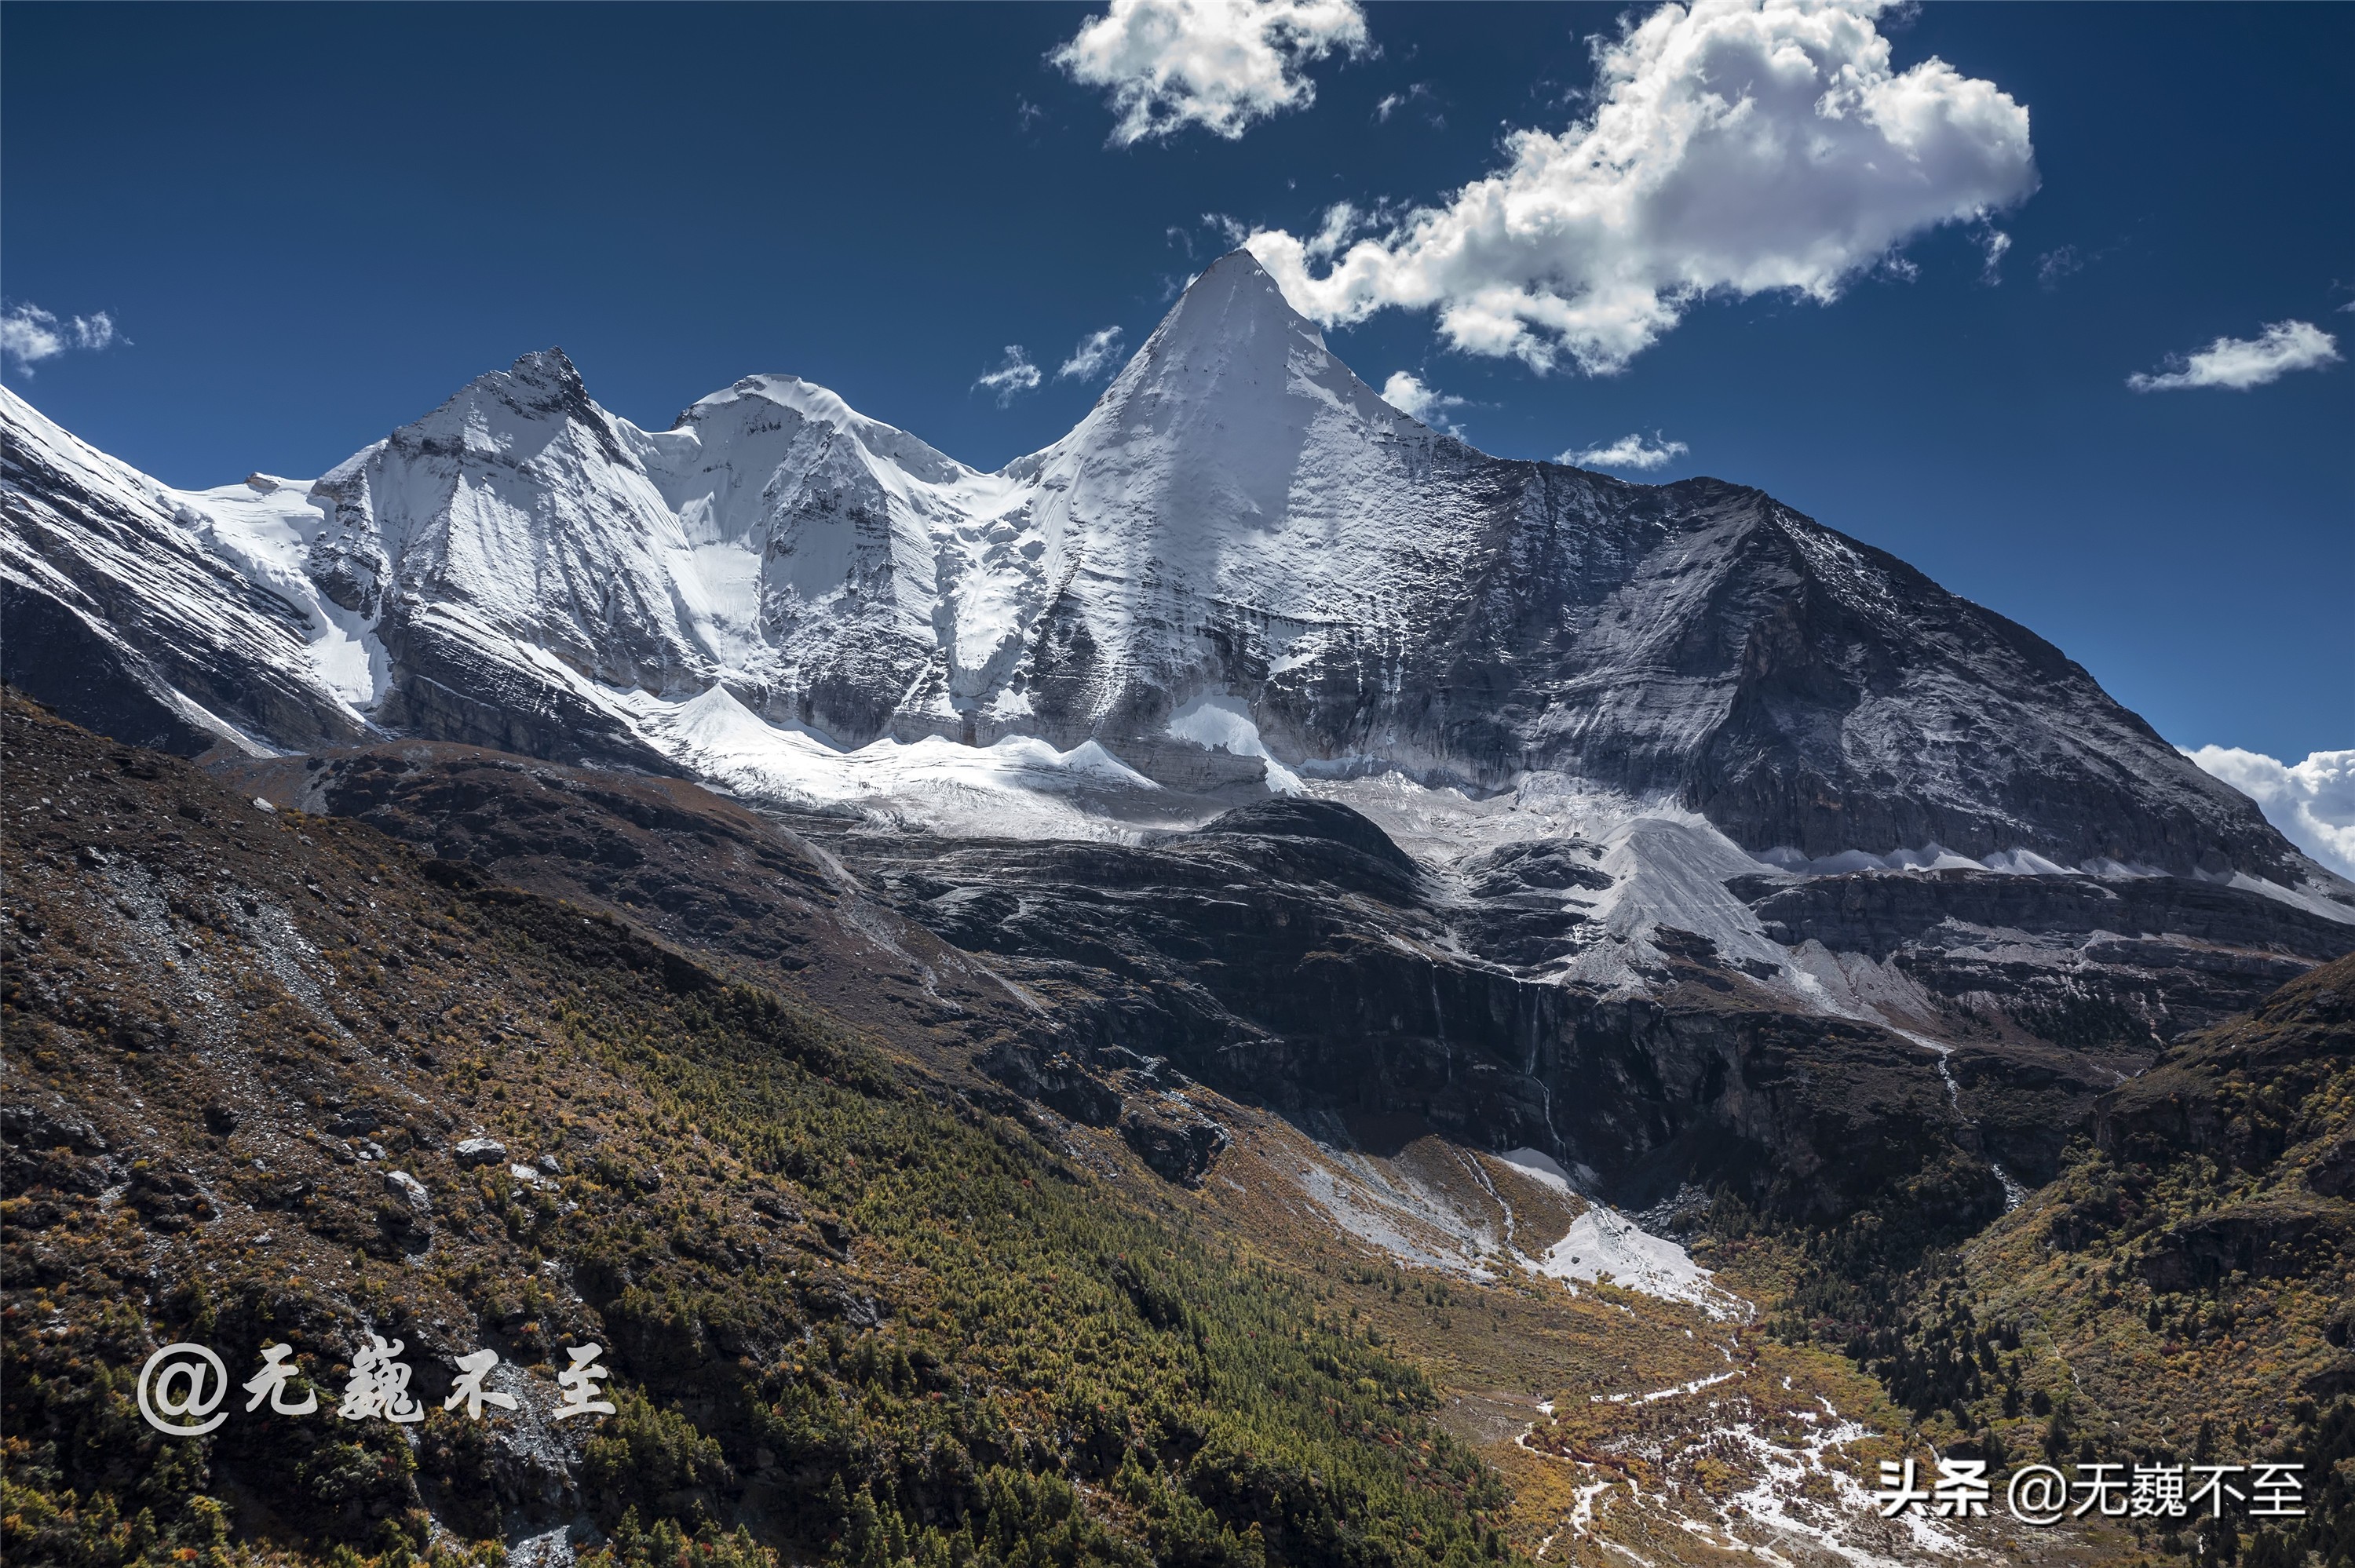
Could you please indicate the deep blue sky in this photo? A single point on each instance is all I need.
(313, 223)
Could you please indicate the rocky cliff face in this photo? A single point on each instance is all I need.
(1253, 729)
(1289, 953)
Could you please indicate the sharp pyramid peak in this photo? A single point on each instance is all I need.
(1233, 295)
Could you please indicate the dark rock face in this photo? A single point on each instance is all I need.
(2281, 1240)
(688, 865)
(2053, 989)
(1177, 1142)
(2101, 966)
(2233, 1093)
(1289, 955)
(1286, 953)
(450, 689)
(2333, 1173)
(1878, 914)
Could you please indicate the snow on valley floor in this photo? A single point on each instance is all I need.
(1603, 1244)
(1449, 1212)
(1777, 1487)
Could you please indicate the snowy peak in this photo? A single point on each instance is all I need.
(1238, 504)
(1230, 358)
(1241, 570)
(509, 415)
(758, 397)
(1231, 318)
(1234, 300)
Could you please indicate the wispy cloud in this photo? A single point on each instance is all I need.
(2312, 802)
(1012, 378)
(1095, 354)
(2057, 264)
(29, 334)
(1416, 92)
(1231, 229)
(1406, 393)
(1993, 243)
(1729, 148)
(1223, 64)
(1630, 450)
(2237, 364)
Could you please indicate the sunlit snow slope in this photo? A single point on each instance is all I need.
(1242, 571)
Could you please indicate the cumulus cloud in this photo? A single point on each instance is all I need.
(1012, 378)
(2237, 364)
(29, 334)
(1628, 451)
(1095, 354)
(1738, 147)
(2312, 802)
(1223, 64)
(1406, 393)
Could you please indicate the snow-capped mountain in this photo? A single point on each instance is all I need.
(1242, 571)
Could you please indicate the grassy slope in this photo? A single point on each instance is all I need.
(2184, 1288)
(2190, 1274)
(866, 1319)
(850, 1312)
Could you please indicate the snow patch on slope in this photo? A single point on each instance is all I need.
(1604, 1244)
(1019, 784)
(1224, 724)
(266, 527)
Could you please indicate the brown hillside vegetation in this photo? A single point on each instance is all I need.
(863, 1305)
(2195, 1262)
(850, 1313)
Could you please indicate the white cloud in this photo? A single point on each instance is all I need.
(1393, 102)
(1095, 354)
(1013, 379)
(29, 334)
(2312, 802)
(2237, 364)
(1628, 451)
(1407, 394)
(1739, 147)
(1223, 64)
(1993, 244)
(1233, 231)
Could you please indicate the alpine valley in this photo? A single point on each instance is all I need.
(1256, 986)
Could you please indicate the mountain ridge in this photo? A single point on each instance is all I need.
(1240, 540)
